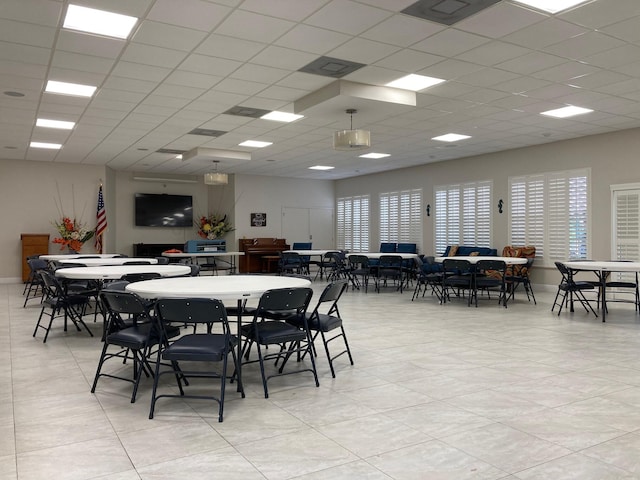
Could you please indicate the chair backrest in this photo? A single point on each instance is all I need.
(138, 262)
(115, 286)
(290, 259)
(407, 248)
(564, 271)
(390, 261)
(51, 285)
(163, 260)
(456, 266)
(492, 268)
(284, 300)
(301, 246)
(388, 247)
(192, 310)
(123, 302)
(140, 277)
(195, 270)
(358, 261)
(330, 295)
(36, 264)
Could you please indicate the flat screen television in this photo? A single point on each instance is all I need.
(163, 210)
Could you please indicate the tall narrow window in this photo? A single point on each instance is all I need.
(626, 222)
(551, 212)
(401, 217)
(463, 215)
(352, 223)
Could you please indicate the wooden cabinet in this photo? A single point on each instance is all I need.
(32, 244)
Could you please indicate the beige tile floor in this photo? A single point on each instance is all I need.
(437, 392)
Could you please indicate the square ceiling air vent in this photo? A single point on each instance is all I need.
(447, 12)
(246, 112)
(331, 67)
(206, 132)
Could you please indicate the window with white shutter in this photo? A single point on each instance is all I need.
(401, 217)
(551, 212)
(626, 222)
(352, 223)
(463, 215)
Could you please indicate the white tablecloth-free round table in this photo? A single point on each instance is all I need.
(96, 262)
(115, 272)
(476, 259)
(228, 287)
(71, 256)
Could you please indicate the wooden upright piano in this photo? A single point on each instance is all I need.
(255, 250)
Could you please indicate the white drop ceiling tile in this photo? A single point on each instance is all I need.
(295, 11)
(483, 95)
(106, 113)
(312, 39)
(154, 56)
(287, 94)
(402, 30)
(499, 20)
(626, 30)
(582, 98)
(178, 91)
(374, 75)
(363, 51)
(450, 42)
(112, 105)
(614, 57)
(75, 76)
(513, 103)
(24, 70)
(551, 91)
(21, 84)
(26, 54)
(73, 61)
(621, 88)
(215, 101)
(26, 33)
(129, 84)
(168, 36)
(602, 13)
(493, 53)
(531, 62)
(140, 72)
(194, 14)
(242, 87)
(41, 12)
(192, 79)
(286, 58)
(408, 60)
(254, 27)
(542, 34)
(598, 79)
(251, 72)
(98, 46)
(521, 85)
(100, 121)
(172, 103)
(451, 89)
(91, 131)
(584, 45)
(134, 8)
(631, 69)
(229, 47)
(347, 17)
(305, 81)
(119, 95)
(565, 71)
(487, 77)
(205, 64)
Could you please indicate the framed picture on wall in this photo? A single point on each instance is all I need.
(258, 219)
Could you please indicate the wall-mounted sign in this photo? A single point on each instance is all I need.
(258, 219)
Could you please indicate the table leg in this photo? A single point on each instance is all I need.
(239, 346)
(603, 292)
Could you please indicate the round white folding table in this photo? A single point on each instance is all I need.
(96, 262)
(217, 254)
(475, 259)
(602, 270)
(227, 288)
(72, 256)
(115, 272)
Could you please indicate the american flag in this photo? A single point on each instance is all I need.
(101, 217)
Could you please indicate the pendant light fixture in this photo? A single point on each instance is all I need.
(216, 178)
(351, 139)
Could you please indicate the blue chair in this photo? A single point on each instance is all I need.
(387, 247)
(306, 259)
(407, 248)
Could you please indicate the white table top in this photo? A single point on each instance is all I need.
(78, 255)
(114, 272)
(95, 262)
(377, 255)
(202, 254)
(473, 260)
(605, 266)
(311, 252)
(228, 287)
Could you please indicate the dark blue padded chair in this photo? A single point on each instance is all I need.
(407, 248)
(386, 247)
(306, 259)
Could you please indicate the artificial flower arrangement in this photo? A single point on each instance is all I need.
(73, 234)
(213, 226)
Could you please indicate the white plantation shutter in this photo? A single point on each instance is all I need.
(550, 211)
(626, 224)
(401, 217)
(352, 223)
(463, 215)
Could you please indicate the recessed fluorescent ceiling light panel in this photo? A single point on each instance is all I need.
(281, 116)
(551, 6)
(255, 143)
(375, 155)
(62, 125)
(74, 89)
(451, 137)
(51, 146)
(566, 112)
(415, 82)
(321, 167)
(98, 21)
